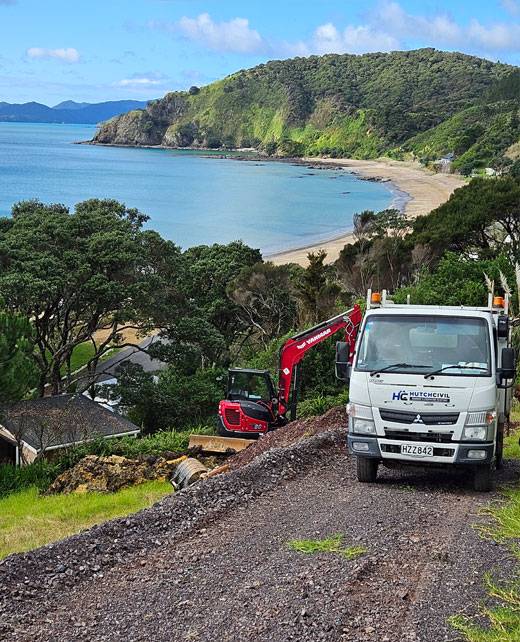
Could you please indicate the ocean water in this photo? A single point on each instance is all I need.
(190, 198)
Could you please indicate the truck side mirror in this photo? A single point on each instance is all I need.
(342, 361)
(508, 368)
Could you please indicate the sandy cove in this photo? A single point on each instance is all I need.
(425, 189)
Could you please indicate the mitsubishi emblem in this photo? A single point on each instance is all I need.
(418, 420)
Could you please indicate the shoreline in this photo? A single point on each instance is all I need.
(416, 190)
(420, 192)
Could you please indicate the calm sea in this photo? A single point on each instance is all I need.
(190, 199)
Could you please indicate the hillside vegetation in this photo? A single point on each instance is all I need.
(423, 102)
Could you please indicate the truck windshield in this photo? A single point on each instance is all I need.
(453, 346)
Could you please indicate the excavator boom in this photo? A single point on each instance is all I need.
(296, 348)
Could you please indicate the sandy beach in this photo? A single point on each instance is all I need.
(425, 191)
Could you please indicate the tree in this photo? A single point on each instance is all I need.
(480, 218)
(207, 272)
(264, 296)
(86, 276)
(17, 368)
(456, 280)
(380, 258)
(171, 400)
(317, 289)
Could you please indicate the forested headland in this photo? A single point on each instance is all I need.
(422, 104)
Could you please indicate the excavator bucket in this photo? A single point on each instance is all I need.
(216, 444)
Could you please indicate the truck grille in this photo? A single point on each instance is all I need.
(427, 418)
(405, 435)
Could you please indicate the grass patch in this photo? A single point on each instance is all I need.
(81, 355)
(29, 520)
(332, 544)
(503, 619)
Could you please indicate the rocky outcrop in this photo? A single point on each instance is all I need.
(109, 474)
(144, 126)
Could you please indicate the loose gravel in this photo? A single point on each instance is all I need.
(213, 561)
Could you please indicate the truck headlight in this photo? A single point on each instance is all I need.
(363, 426)
(480, 425)
(476, 433)
(361, 419)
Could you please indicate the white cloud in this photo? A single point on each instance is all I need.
(66, 55)
(441, 30)
(137, 82)
(142, 80)
(234, 35)
(388, 27)
(511, 6)
(353, 39)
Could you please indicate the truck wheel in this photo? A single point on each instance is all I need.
(483, 479)
(499, 455)
(367, 469)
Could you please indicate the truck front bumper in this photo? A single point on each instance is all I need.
(363, 446)
(385, 449)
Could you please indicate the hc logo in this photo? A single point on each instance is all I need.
(402, 395)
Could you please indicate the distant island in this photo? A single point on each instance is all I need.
(67, 111)
(448, 109)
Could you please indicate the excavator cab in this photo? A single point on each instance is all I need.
(250, 385)
(251, 404)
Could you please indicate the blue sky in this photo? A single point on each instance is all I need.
(93, 50)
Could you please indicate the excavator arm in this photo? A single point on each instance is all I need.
(295, 348)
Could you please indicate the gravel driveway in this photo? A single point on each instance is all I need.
(212, 563)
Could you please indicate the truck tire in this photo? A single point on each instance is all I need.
(499, 454)
(483, 479)
(367, 469)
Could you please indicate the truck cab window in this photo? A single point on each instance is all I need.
(458, 342)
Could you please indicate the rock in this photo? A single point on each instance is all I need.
(109, 474)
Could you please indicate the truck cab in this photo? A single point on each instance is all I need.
(430, 386)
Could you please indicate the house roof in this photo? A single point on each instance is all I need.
(53, 422)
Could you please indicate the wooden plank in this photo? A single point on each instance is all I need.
(216, 444)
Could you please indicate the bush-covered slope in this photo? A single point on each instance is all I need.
(342, 105)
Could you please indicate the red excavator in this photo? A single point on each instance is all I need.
(252, 405)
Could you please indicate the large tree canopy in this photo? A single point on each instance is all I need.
(482, 217)
(265, 298)
(17, 369)
(84, 276)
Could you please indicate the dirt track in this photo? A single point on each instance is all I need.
(227, 573)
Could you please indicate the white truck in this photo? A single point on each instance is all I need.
(429, 386)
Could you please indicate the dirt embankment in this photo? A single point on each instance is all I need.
(213, 563)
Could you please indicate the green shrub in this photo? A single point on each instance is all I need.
(40, 474)
(320, 404)
(149, 445)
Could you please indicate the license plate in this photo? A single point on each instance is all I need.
(417, 451)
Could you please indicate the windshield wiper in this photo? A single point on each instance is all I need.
(455, 365)
(398, 365)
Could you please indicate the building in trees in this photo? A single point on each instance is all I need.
(38, 428)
